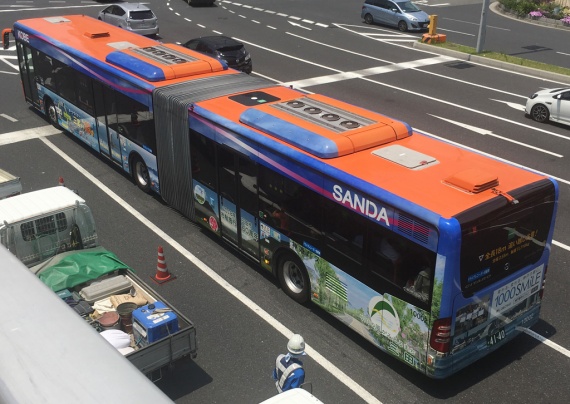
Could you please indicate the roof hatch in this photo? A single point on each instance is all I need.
(56, 20)
(315, 125)
(473, 180)
(406, 157)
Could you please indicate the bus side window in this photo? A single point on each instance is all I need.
(85, 94)
(385, 255)
(45, 70)
(343, 233)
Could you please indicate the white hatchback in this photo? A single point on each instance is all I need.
(550, 104)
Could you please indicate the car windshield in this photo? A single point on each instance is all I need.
(142, 15)
(409, 7)
(227, 49)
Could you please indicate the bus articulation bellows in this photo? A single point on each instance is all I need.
(434, 253)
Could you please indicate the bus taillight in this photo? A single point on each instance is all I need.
(441, 335)
(543, 283)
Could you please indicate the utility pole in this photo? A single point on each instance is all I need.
(482, 27)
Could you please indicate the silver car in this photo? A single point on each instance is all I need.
(131, 16)
(397, 13)
(550, 104)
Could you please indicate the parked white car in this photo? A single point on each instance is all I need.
(550, 104)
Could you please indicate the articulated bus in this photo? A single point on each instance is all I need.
(435, 254)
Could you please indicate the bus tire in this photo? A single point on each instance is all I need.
(140, 174)
(294, 278)
(51, 113)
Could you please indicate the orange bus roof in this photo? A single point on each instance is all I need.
(144, 58)
(441, 177)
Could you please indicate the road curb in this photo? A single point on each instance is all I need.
(493, 63)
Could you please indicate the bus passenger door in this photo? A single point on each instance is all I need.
(106, 120)
(27, 72)
(238, 201)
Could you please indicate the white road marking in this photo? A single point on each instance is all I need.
(8, 117)
(367, 72)
(567, 182)
(6, 58)
(513, 105)
(486, 132)
(27, 134)
(455, 32)
(50, 8)
(287, 333)
(545, 341)
(347, 75)
(559, 244)
(390, 62)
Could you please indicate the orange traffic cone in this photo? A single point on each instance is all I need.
(60, 182)
(162, 274)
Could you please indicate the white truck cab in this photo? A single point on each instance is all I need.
(37, 225)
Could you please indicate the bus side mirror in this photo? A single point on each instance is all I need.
(6, 38)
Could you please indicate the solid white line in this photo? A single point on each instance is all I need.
(331, 78)
(567, 182)
(316, 356)
(48, 8)
(390, 62)
(475, 23)
(8, 117)
(455, 32)
(545, 341)
(559, 244)
(345, 75)
(485, 132)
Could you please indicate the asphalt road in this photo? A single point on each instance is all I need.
(240, 313)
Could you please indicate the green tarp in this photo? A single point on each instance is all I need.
(69, 269)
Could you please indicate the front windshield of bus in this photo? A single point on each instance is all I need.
(499, 238)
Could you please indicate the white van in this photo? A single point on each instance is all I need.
(10, 185)
(37, 225)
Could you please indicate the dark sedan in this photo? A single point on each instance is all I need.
(224, 48)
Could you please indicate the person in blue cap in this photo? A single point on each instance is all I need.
(289, 373)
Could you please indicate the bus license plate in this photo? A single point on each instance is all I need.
(496, 337)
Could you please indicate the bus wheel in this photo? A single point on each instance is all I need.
(140, 174)
(51, 113)
(293, 278)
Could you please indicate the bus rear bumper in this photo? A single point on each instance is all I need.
(441, 366)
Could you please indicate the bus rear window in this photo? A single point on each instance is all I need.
(499, 238)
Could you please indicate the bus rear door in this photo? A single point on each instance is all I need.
(239, 201)
(105, 111)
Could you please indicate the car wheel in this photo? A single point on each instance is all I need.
(293, 278)
(403, 26)
(368, 19)
(540, 113)
(51, 113)
(140, 174)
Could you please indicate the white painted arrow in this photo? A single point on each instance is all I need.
(298, 25)
(513, 105)
(486, 132)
